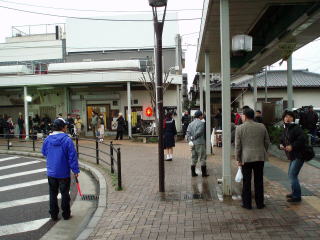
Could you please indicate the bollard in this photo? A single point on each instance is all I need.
(97, 151)
(111, 157)
(33, 144)
(77, 146)
(119, 169)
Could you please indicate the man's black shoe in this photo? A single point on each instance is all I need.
(67, 218)
(261, 207)
(169, 159)
(294, 200)
(289, 195)
(246, 207)
(55, 218)
(204, 171)
(193, 171)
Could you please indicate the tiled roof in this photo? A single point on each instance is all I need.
(278, 79)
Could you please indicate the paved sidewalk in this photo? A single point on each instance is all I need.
(190, 208)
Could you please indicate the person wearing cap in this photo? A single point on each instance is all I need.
(121, 126)
(62, 158)
(251, 151)
(197, 142)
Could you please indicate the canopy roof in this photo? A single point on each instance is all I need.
(276, 26)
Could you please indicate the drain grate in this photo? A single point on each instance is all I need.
(193, 196)
(90, 197)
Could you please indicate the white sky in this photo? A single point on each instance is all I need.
(307, 57)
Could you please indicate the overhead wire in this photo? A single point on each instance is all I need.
(96, 19)
(95, 10)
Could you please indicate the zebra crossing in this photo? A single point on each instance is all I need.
(24, 199)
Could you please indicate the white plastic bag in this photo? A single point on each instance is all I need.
(239, 175)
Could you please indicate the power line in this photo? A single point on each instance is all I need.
(97, 19)
(94, 10)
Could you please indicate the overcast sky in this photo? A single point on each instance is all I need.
(307, 57)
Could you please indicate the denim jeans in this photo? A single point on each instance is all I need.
(62, 184)
(293, 172)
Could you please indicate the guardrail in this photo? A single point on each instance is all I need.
(99, 152)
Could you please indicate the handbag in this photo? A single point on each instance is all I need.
(239, 175)
(97, 133)
(307, 153)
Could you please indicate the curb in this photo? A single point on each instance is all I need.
(102, 203)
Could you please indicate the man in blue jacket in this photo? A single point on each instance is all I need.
(61, 156)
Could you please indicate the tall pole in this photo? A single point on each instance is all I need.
(255, 92)
(201, 91)
(208, 112)
(226, 96)
(266, 85)
(179, 110)
(129, 110)
(158, 28)
(289, 85)
(26, 112)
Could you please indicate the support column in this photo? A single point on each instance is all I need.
(26, 111)
(226, 96)
(201, 91)
(255, 92)
(289, 84)
(266, 85)
(179, 111)
(129, 110)
(66, 101)
(208, 112)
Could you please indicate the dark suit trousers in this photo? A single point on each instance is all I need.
(257, 168)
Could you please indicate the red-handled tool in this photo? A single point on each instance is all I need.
(78, 186)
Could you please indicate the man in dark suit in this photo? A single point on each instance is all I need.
(251, 145)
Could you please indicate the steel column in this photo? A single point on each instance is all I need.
(129, 110)
(255, 92)
(179, 111)
(201, 91)
(208, 112)
(226, 96)
(26, 112)
(289, 84)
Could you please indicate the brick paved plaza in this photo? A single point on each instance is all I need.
(191, 209)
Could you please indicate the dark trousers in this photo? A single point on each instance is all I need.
(257, 168)
(62, 184)
(119, 135)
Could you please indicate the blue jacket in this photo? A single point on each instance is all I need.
(61, 155)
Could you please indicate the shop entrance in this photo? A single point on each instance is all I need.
(103, 109)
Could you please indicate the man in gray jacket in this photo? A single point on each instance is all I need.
(197, 142)
(251, 146)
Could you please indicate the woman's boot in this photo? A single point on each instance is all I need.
(204, 171)
(193, 171)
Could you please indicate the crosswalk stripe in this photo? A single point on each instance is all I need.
(8, 158)
(22, 185)
(19, 164)
(25, 201)
(22, 173)
(22, 227)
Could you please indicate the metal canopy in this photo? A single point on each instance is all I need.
(276, 27)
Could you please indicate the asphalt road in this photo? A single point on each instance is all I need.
(24, 199)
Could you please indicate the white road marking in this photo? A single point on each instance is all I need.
(22, 173)
(22, 185)
(8, 158)
(19, 164)
(22, 227)
(25, 201)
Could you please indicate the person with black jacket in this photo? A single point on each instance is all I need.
(121, 126)
(293, 141)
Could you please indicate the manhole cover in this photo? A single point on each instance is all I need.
(90, 197)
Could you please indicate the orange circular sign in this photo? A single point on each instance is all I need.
(148, 112)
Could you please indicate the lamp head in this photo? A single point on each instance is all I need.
(158, 3)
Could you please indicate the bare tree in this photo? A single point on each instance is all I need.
(150, 83)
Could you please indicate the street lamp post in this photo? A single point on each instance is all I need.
(158, 28)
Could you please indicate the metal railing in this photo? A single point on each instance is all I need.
(99, 152)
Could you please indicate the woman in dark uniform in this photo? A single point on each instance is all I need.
(169, 127)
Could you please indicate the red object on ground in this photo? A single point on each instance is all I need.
(78, 186)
